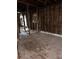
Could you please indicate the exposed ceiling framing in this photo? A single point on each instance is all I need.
(22, 4)
(38, 2)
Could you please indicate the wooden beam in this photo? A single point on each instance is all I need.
(24, 23)
(28, 17)
(37, 21)
(48, 15)
(26, 3)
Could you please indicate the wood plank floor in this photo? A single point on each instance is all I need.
(40, 46)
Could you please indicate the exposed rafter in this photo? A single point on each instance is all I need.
(39, 2)
(22, 4)
(26, 3)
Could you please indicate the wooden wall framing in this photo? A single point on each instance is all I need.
(50, 18)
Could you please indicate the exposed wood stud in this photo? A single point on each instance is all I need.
(24, 23)
(38, 21)
(49, 17)
(28, 15)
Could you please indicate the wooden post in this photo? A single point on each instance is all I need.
(28, 17)
(45, 10)
(24, 23)
(37, 21)
(56, 19)
(48, 18)
(18, 24)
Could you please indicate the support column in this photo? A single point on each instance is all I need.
(37, 21)
(28, 17)
(24, 23)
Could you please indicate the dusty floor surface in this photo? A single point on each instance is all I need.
(40, 46)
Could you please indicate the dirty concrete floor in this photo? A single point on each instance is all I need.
(40, 46)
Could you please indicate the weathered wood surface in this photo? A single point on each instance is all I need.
(50, 19)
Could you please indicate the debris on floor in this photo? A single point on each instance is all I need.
(40, 46)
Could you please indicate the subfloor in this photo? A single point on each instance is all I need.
(40, 46)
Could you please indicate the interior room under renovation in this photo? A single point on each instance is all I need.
(39, 29)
